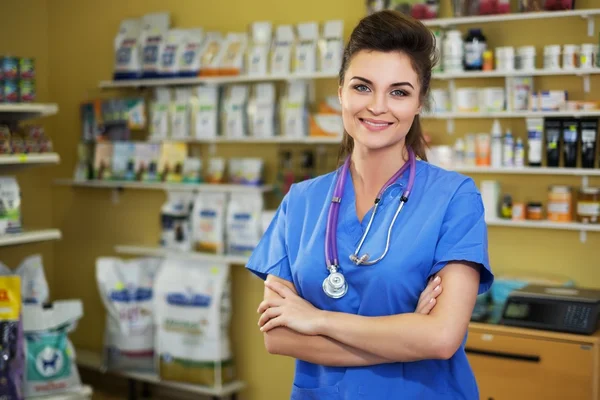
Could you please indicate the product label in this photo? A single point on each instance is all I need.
(535, 147)
(570, 135)
(558, 208)
(235, 125)
(474, 54)
(588, 135)
(588, 208)
(206, 121)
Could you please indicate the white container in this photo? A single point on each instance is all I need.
(587, 56)
(552, 56)
(493, 99)
(505, 58)
(453, 52)
(440, 100)
(570, 56)
(526, 58)
(467, 100)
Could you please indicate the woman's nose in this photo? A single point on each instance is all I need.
(378, 105)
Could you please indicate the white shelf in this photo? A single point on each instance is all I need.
(249, 139)
(20, 159)
(84, 393)
(184, 187)
(148, 251)
(213, 80)
(529, 171)
(21, 111)
(482, 19)
(93, 361)
(504, 74)
(569, 226)
(511, 114)
(30, 237)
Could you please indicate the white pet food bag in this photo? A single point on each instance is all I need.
(208, 222)
(10, 205)
(128, 53)
(175, 220)
(244, 223)
(34, 287)
(155, 28)
(193, 313)
(126, 289)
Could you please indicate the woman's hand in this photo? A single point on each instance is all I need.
(428, 296)
(289, 310)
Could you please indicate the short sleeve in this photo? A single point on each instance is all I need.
(270, 257)
(463, 235)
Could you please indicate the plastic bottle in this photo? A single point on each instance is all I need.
(519, 153)
(475, 46)
(508, 150)
(459, 152)
(496, 146)
(453, 52)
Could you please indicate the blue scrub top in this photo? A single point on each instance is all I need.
(442, 221)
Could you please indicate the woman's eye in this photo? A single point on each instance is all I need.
(361, 88)
(399, 93)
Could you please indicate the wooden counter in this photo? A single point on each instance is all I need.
(519, 363)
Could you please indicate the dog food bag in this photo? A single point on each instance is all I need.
(126, 289)
(155, 28)
(192, 307)
(34, 287)
(128, 51)
(10, 205)
(208, 222)
(244, 223)
(50, 356)
(175, 221)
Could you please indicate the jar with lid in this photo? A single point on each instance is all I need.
(552, 56)
(587, 56)
(452, 52)
(534, 211)
(570, 59)
(505, 58)
(526, 58)
(560, 203)
(588, 205)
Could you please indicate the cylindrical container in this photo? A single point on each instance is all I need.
(438, 67)
(492, 99)
(440, 100)
(10, 67)
(552, 56)
(11, 90)
(526, 58)
(488, 60)
(560, 203)
(453, 52)
(27, 68)
(505, 58)
(570, 57)
(589, 137)
(587, 56)
(467, 99)
(588, 205)
(570, 139)
(518, 212)
(535, 211)
(475, 44)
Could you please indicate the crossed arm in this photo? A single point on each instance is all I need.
(295, 328)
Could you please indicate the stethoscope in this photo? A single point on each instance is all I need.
(335, 285)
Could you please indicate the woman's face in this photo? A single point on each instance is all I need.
(379, 98)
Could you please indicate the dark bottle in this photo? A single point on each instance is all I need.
(589, 137)
(552, 128)
(570, 137)
(474, 46)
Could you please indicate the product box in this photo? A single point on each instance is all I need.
(10, 206)
(172, 158)
(103, 161)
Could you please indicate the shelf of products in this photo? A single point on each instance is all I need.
(482, 19)
(148, 251)
(259, 140)
(505, 74)
(199, 187)
(84, 393)
(528, 171)
(512, 114)
(11, 239)
(568, 226)
(93, 361)
(217, 80)
(20, 159)
(22, 111)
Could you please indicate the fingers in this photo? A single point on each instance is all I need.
(265, 304)
(427, 300)
(273, 323)
(268, 315)
(279, 288)
(426, 306)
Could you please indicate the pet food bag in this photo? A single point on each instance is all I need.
(126, 289)
(176, 232)
(34, 287)
(244, 223)
(208, 222)
(10, 205)
(51, 367)
(12, 357)
(192, 314)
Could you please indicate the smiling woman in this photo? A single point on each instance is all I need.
(367, 317)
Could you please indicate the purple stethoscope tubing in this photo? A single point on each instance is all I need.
(331, 254)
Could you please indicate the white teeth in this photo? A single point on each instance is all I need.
(375, 124)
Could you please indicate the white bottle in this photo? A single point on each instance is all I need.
(496, 145)
(519, 153)
(459, 152)
(453, 52)
(508, 150)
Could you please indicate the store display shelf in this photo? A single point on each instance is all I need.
(91, 360)
(183, 187)
(504, 74)
(512, 114)
(482, 19)
(266, 140)
(20, 159)
(149, 251)
(528, 171)
(568, 226)
(13, 239)
(84, 393)
(217, 80)
(21, 111)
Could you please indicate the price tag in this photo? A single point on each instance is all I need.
(22, 158)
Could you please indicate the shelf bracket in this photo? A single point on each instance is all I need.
(590, 24)
(582, 236)
(586, 83)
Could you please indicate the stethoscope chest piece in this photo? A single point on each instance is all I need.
(335, 285)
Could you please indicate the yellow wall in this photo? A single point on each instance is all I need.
(73, 42)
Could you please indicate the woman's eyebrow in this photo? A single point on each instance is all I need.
(360, 78)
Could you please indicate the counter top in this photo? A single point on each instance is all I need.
(482, 327)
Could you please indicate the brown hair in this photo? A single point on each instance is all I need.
(390, 31)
